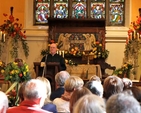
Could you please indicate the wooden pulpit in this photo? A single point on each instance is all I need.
(50, 71)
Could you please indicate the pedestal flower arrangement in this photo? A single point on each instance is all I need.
(12, 35)
(16, 72)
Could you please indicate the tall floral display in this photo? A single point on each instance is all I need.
(16, 73)
(12, 36)
(132, 50)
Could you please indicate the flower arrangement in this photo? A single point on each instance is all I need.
(11, 31)
(17, 71)
(2, 67)
(74, 52)
(12, 97)
(99, 51)
(124, 71)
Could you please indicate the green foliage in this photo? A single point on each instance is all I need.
(16, 72)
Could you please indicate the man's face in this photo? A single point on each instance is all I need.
(53, 48)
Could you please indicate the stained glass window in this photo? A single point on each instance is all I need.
(79, 9)
(42, 11)
(60, 8)
(116, 12)
(113, 11)
(98, 9)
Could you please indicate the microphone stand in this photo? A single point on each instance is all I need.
(45, 67)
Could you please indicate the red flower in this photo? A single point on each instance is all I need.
(4, 14)
(20, 74)
(11, 18)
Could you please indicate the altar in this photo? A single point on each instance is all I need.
(84, 71)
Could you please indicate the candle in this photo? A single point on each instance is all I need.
(131, 36)
(138, 36)
(60, 53)
(135, 35)
(3, 37)
(57, 52)
(63, 54)
(0, 35)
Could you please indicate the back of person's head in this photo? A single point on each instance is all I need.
(72, 83)
(112, 85)
(21, 91)
(136, 92)
(95, 78)
(78, 93)
(48, 87)
(127, 82)
(3, 102)
(95, 87)
(34, 90)
(61, 77)
(89, 104)
(122, 103)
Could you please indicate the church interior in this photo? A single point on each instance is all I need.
(87, 43)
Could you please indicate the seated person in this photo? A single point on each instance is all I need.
(3, 102)
(122, 103)
(112, 85)
(71, 84)
(60, 79)
(48, 105)
(52, 57)
(94, 78)
(34, 96)
(76, 95)
(95, 87)
(90, 104)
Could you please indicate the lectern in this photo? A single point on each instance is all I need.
(50, 71)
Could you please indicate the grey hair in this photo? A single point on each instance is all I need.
(95, 87)
(35, 89)
(89, 104)
(61, 77)
(3, 102)
(122, 103)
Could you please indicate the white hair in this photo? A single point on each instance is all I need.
(95, 87)
(3, 102)
(61, 77)
(122, 103)
(35, 89)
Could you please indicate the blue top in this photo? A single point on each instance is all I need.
(57, 93)
(50, 107)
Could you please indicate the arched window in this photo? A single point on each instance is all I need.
(113, 11)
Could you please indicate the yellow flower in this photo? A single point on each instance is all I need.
(0, 63)
(95, 56)
(16, 71)
(100, 44)
(15, 63)
(120, 72)
(24, 73)
(10, 76)
(12, 72)
(2, 71)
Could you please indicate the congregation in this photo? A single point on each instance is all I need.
(72, 95)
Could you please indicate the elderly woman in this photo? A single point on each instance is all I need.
(71, 84)
(77, 94)
(90, 104)
(48, 105)
(112, 85)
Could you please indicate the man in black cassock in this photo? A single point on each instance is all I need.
(52, 57)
